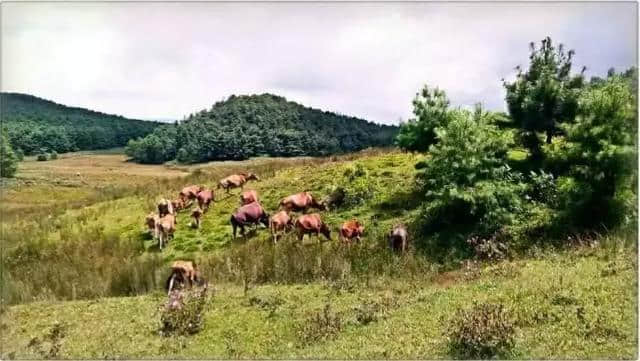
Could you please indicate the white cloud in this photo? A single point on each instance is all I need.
(167, 60)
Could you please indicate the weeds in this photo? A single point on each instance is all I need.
(183, 313)
(320, 326)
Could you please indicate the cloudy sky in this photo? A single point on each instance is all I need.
(165, 60)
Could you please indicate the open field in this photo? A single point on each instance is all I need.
(72, 252)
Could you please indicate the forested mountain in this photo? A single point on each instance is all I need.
(36, 125)
(251, 125)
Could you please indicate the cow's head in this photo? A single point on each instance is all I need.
(252, 176)
(324, 229)
(264, 219)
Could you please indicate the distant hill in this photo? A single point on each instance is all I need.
(252, 125)
(34, 124)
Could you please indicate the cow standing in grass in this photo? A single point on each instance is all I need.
(165, 229)
(311, 224)
(236, 181)
(280, 222)
(248, 197)
(204, 197)
(196, 214)
(249, 214)
(399, 238)
(351, 230)
(150, 221)
(190, 193)
(183, 272)
(301, 202)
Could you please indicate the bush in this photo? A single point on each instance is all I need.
(493, 248)
(42, 157)
(54, 155)
(320, 326)
(183, 314)
(8, 160)
(467, 181)
(481, 332)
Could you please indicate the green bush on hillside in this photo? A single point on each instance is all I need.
(8, 159)
(42, 157)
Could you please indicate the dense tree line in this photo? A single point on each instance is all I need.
(34, 125)
(245, 126)
(579, 172)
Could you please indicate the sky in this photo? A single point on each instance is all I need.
(166, 60)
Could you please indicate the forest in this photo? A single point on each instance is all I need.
(34, 125)
(253, 125)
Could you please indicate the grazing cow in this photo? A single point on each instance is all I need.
(301, 202)
(311, 224)
(165, 228)
(248, 214)
(150, 221)
(183, 272)
(204, 197)
(164, 207)
(248, 197)
(236, 180)
(190, 192)
(196, 214)
(399, 238)
(280, 222)
(351, 230)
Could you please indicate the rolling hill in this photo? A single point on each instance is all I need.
(252, 125)
(34, 124)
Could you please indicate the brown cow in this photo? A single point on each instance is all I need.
(205, 197)
(183, 272)
(251, 213)
(190, 192)
(236, 180)
(196, 214)
(310, 224)
(248, 197)
(399, 238)
(301, 202)
(150, 221)
(178, 204)
(280, 222)
(351, 230)
(165, 228)
(165, 207)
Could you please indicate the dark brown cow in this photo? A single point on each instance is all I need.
(399, 238)
(196, 214)
(165, 207)
(183, 272)
(251, 213)
(165, 228)
(236, 180)
(351, 230)
(248, 197)
(301, 202)
(311, 224)
(205, 197)
(190, 192)
(280, 222)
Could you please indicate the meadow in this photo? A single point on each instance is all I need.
(82, 278)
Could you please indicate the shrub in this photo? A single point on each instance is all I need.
(320, 326)
(493, 248)
(8, 160)
(54, 155)
(183, 314)
(42, 157)
(483, 331)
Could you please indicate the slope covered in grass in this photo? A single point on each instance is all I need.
(573, 304)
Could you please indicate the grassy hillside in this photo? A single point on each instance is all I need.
(34, 123)
(251, 125)
(66, 257)
(576, 304)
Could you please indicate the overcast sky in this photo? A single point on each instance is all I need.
(166, 60)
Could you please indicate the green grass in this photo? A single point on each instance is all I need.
(573, 304)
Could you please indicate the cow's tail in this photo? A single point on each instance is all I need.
(170, 281)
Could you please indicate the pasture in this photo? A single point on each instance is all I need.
(82, 278)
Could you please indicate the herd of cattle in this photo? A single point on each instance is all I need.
(162, 224)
